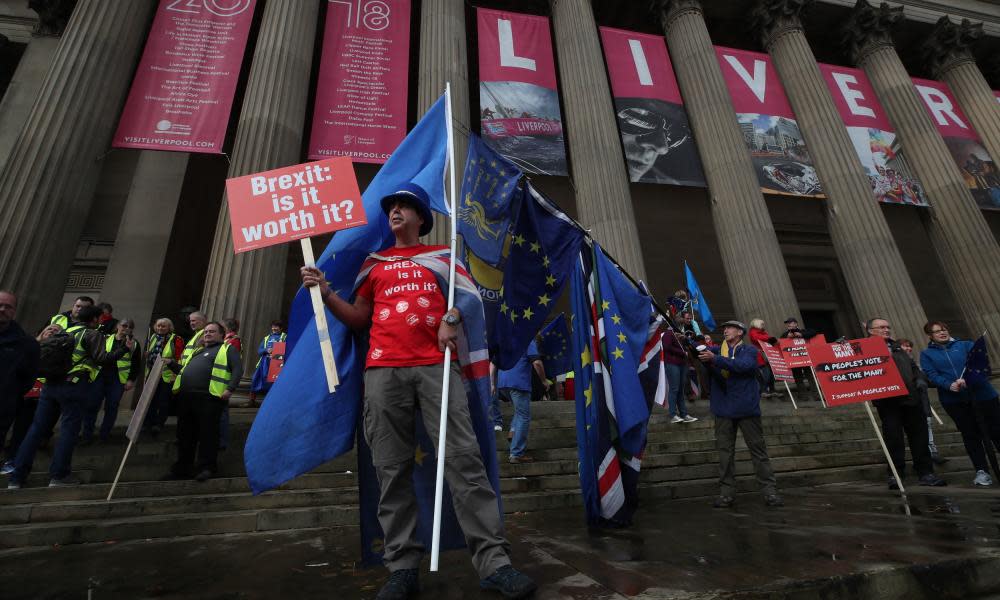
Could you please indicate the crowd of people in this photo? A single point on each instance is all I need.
(82, 362)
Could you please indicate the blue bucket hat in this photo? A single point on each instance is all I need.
(415, 195)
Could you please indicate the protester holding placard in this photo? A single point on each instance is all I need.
(904, 414)
(260, 383)
(804, 383)
(163, 342)
(735, 403)
(966, 402)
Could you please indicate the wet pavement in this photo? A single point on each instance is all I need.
(840, 541)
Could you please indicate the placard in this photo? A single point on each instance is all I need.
(856, 371)
(294, 202)
(779, 366)
(277, 361)
(183, 90)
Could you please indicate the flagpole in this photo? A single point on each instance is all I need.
(446, 381)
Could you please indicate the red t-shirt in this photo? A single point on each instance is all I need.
(407, 306)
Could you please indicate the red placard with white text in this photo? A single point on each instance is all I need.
(779, 366)
(796, 350)
(294, 202)
(856, 371)
(277, 361)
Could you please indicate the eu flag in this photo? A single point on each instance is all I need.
(485, 214)
(554, 347)
(977, 363)
(698, 303)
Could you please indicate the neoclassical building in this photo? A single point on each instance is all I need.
(149, 231)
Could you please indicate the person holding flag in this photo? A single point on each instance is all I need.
(960, 371)
(398, 297)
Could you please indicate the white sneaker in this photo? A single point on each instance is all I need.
(690, 419)
(677, 419)
(498, 428)
(982, 479)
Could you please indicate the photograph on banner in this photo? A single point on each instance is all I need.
(856, 371)
(796, 350)
(363, 76)
(978, 169)
(277, 361)
(771, 133)
(775, 359)
(292, 203)
(656, 134)
(183, 89)
(518, 95)
(874, 139)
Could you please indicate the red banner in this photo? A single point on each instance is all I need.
(656, 134)
(518, 96)
(277, 361)
(183, 90)
(294, 202)
(770, 131)
(874, 139)
(779, 366)
(796, 350)
(856, 371)
(363, 79)
(977, 167)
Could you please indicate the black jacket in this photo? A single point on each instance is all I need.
(18, 363)
(913, 377)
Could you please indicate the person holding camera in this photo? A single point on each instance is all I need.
(804, 383)
(735, 403)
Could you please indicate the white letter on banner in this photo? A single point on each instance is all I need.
(940, 106)
(641, 66)
(507, 56)
(852, 96)
(757, 83)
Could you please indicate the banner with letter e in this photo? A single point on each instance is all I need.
(296, 203)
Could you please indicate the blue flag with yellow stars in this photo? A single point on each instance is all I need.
(543, 244)
(977, 363)
(485, 213)
(554, 346)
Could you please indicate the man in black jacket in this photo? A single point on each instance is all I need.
(904, 414)
(18, 362)
(68, 396)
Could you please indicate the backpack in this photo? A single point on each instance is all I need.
(56, 356)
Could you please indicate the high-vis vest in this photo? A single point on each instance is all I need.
(219, 380)
(166, 352)
(60, 320)
(82, 364)
(281, 338)
(191, 347)
(124, 363)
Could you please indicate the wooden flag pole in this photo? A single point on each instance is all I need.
(138, 416)
(818, 389)
(446, 381)
(322, 331)
(121, 467)
(936, 417)
(888, 457)
(794, 405)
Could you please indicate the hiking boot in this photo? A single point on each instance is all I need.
(67, 481)
(510, 582)
(932, 480)
(724, 502)
(773, 500)
(982, 479)
(401, 585)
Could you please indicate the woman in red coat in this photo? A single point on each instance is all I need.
(759, 334)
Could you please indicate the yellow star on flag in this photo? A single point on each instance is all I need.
(585, 358)
(616, 319)
(550, 280)
(504, 308)
(546, 262)
(619, 353)
(518, 240)
(535, 247)
(589, 395)
(419, 455)
(528, 313)
(544, 300)
(605, 305)
(621, 337)
(513, 316)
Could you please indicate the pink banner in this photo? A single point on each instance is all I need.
(518, 96)
(977, 167)
(874, 139)
(770, 131)
(183, 90)
(656, 134)
(363, 76)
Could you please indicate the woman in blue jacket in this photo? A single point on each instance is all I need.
(944, 362)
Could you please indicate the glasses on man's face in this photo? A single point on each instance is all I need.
(936, 331)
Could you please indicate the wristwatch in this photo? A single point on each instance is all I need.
(451, 319)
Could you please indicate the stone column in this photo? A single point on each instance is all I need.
(133, 276)
(269, 135)
(443, 58)
(755, 268)
(47, 185)
(599, 176)
(948, 53)
(23, 89)
(858, 229)
(961, 237)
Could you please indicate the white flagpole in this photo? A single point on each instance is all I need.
(443, 426)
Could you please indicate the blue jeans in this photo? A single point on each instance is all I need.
(675, 392)
(108, 390)
(521, 421)
(495, 415)
(70, 398)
